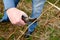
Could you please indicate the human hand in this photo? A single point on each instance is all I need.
(15, 16)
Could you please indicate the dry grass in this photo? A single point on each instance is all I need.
(48, 27)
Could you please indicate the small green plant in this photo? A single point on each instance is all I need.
(1, 38)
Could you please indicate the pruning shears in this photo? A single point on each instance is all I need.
(28, 19)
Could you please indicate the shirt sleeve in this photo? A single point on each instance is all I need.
(8, 4)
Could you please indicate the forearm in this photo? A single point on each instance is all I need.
(8, 4)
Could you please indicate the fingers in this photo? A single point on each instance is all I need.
(15, 16)
(19, 23)
(22, 22)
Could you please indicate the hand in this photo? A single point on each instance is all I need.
(15, 16)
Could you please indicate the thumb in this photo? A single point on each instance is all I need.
(25, 15)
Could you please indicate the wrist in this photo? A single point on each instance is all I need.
(9, 8)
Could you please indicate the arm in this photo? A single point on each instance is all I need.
(8, 4)
(13, 13)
